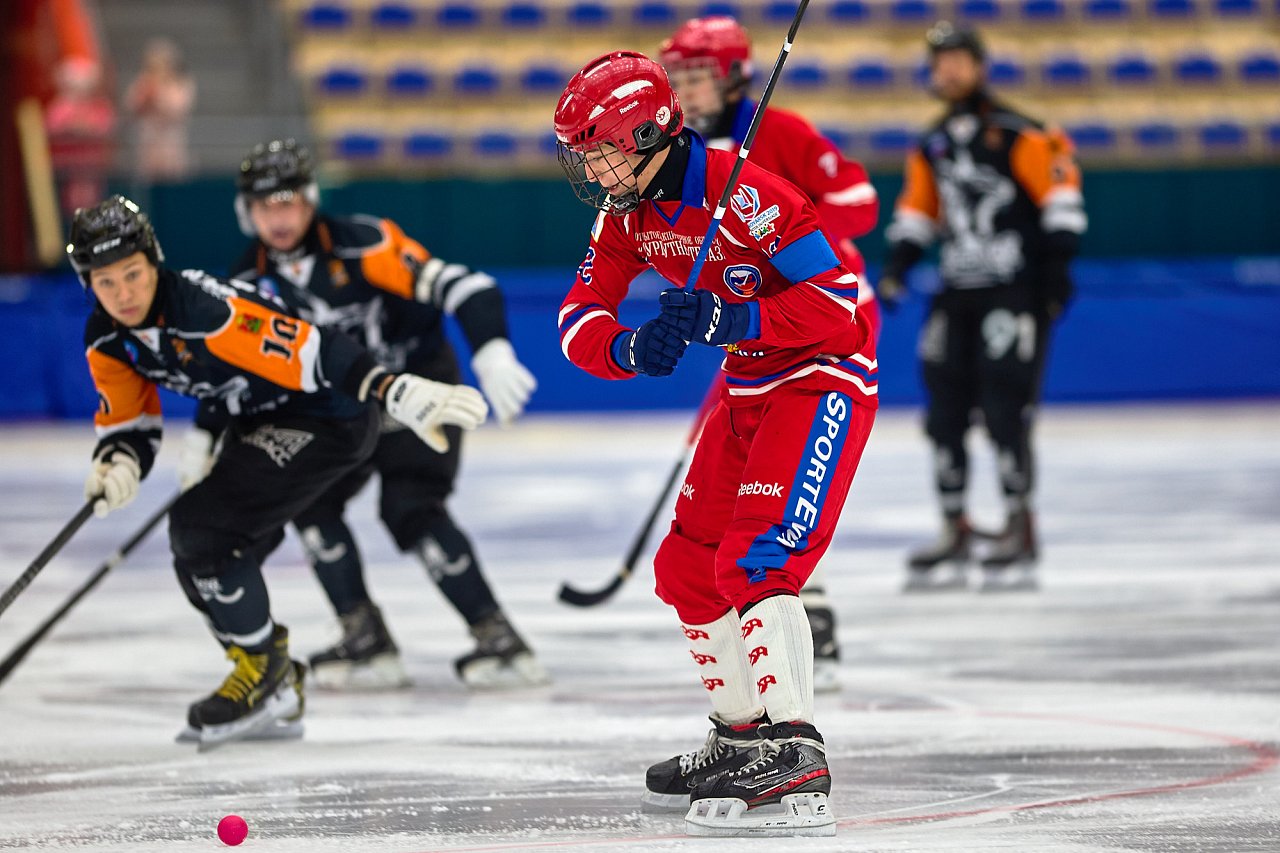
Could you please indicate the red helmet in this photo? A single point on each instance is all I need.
(719, 42)
(623, 99)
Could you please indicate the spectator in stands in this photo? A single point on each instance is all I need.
(1002, 192)
(161, 98)
(80, 122)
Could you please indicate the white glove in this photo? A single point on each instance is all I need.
(505, 381)
(425, 407)
(113, 482)
(196, 458)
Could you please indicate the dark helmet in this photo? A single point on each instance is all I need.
(281, 165)
(945, 35)
(108, 232)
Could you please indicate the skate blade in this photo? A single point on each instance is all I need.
(281, 705)
(940, 579)
(998, 581)
(826, 676)
(651, 802)
(282, 730)
(493, 673)
(805, 815)
(380, 672)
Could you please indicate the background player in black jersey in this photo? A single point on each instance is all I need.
(298, 422)
(1002, 192)
(364, 275)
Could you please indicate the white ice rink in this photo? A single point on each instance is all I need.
(1133, 705)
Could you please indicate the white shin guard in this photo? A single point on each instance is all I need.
(779, 646)
(722, 664)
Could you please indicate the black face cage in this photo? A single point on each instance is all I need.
(649, 138)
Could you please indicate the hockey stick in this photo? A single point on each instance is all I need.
(745, 149)
(50, 550)
(579, 598)
(24, 648)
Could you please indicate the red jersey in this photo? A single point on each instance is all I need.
(770, 253)
(789, 146)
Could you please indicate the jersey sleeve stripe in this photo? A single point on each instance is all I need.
(459, 291)
(805, 258)
(573, 330)
(911, 226)
(849, 196)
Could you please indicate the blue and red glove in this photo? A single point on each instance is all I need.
(704, 318)
(653, 349)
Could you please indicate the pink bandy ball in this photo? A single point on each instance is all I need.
(232, 830)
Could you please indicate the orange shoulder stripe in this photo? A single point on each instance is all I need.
(1042, 162)
(124, 395)
(387, 265)
(268, 344)
(919, 192)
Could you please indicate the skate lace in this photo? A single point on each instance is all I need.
(704, 755)
(768, 750)
(245, 677)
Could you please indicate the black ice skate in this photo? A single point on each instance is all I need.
(826, 653)
(501, 658)
(365, 658)
(667, 783)
(285, 728)
(1010, 565)
(778, 788)
(262, 692)
(940, 567)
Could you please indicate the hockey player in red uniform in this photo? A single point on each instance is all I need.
(300, 420)
(1002, 192)
(709, 63)
(367, 277)
(777, 456)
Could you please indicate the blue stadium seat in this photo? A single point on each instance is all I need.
(548, 145)
(476, 80)
(1066, 72)
(524, 14)
(920, 75)
(913, 11)
(1108, 10)
(427, 145)
(719, 8)
(1223, 134)
(1260, 68)
(1006, 71)
(1197, 68)
(807, 74)
(1156, 134)
(458, 15)
(359, 145)
(1043, 11)
(393, 16)
(1236, 8)
(892, 140)
(654, 13)
(840, 137)
(544, 77)
(979, 11)
(1177, 9)
(409, 81)
(871, 73)
(495, 143)
(778, 13)
(342, 81)
(1271, 133)
(589, 13)
(326, 17)
(1094, 137)
(849, 12)
(1132, 70)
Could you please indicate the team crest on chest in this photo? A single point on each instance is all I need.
(746, 204)
(742, 279)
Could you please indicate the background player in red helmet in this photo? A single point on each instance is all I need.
(777, 456)
(709, 64)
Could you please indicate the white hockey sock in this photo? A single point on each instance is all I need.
(814, 591)
(722, 664)
(779, 646)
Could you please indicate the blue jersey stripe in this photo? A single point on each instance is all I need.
(805, 258)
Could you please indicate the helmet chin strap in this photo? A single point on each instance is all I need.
(623, 204)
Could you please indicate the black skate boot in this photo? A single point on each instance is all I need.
(940, 567)
(826, 653)
(263, 692)
(668, 782)
(1010, 565)
(785, 778)
(365, 658)
(501, 658)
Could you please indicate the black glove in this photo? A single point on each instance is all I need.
(1056, 287)
(891, 288)
(701, 317)
(653, 349)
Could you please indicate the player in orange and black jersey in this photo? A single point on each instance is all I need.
(1002, 192)
(364, 275)
(296, 395)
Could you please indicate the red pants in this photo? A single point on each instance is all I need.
(761, 500)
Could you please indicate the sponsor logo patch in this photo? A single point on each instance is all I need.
(742, 279)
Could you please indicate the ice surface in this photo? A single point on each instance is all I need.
(1133, 704)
